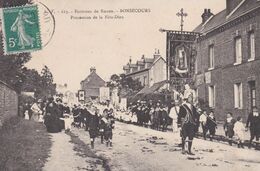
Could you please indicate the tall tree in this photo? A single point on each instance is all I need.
(47, 76)
(47, 82)
(123, 82)
(41, 84)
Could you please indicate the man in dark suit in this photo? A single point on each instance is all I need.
(253, 122)
(188, 119)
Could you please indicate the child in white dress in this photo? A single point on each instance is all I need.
(26, 115)
(68, 120)
(239, 130)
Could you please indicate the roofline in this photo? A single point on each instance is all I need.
(7, 85)
(146, 69)
(158, 60)
(90, 74)
(226, 22)
(234, 10)
(207, 21)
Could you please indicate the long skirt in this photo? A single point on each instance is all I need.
(35, 116)
(52, 124)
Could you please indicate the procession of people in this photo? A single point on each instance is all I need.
(183, 116)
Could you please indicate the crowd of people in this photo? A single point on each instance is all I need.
(182, 115)
(57, 116)
(159, 116)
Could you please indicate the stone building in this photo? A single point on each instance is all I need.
(147, 70)
(228, 58)
(92, 84)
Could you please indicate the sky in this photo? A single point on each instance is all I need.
(107, 44)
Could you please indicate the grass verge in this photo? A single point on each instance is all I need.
(24, 145)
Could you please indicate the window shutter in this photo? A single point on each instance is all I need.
(238, 50)
(252, 46)
(235, 96)
(210, 96)
(240, 96)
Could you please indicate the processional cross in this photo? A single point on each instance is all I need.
(182, 14)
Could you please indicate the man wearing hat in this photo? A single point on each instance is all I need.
(188, 119)
(253, 122)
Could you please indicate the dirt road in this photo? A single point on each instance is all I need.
(69, 153)
(137, 148)
(141, 149)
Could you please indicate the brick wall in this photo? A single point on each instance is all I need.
(225, 74)
(8, 102)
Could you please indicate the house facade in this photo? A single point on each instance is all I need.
(92, 84)
(157, 71)
(228, 58)
(147, 70)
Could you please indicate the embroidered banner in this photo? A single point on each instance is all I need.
(180, 54)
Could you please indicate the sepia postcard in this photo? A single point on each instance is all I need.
(129, 85)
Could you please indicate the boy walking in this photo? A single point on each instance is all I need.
(203, 121)
(229, 127)
(109, 125)
(93, 127)
(211, 125)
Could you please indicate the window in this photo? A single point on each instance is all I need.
(252, 94)
(211, 56)
(196, 66)
(251, 46)
(212, 96)
(238, 50)
(144, 84)
(238, 96)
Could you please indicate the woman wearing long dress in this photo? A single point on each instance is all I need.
(51, 119)
(36, 111)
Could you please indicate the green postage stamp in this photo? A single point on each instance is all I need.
(21, 29)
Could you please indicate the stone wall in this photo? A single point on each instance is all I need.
(8, 102)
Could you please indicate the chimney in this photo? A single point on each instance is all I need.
(231, 5)
(156, 54)
(142, 57)
(92, 69)
(130, 60)
(206, 15)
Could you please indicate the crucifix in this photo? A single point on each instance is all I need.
(182, 14)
